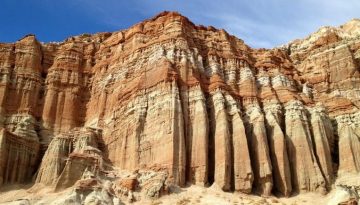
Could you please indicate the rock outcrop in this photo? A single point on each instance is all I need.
(192, 103)
(305, 168)
(349, 143)
(19, 152)
(68, 157)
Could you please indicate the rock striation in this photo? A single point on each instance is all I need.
(190, 102)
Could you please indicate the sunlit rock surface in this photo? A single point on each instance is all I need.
(181, 104)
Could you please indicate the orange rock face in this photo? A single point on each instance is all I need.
(193, 102)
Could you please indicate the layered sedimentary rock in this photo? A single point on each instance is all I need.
(190, 102)
(322, 135)
(19, 152)
(68, 157)
(260, 156)
(278, 149)
(305, 169)
(222, 143)
(243, 175)
(197, 138)
(349, 143)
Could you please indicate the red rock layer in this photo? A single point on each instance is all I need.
(192, 100)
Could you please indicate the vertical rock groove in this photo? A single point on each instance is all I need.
(222, 146)
(179, 152)
(243, 175)
(261, 162)
(199, 138)
(305, 171)
(278, 150)
(192, 102)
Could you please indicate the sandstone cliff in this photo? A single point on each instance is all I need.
(188, 101)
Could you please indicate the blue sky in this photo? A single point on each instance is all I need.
(260, 23)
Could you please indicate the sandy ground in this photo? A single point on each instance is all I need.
(12, 195)
(186, 196)
(213, 196)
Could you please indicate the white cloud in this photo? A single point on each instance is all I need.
(260, 23)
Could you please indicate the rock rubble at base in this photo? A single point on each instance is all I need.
(191, 101)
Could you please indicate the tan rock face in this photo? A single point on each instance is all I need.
(278, 149)
(349, 143)
(18, 161)
(305, 169)
(191, 102)
(68, 157)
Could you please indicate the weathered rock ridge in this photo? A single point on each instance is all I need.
(190, 101)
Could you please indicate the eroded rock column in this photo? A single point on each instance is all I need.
(53, 161)
(222, 143)
(259, 150)
(323, 132)
(243, 175)
(305, 171)
(198, 139)
(349, 143)
(179, 150)
(278, 149)
(3, 155)
(19, 151)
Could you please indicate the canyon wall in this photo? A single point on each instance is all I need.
(191, 101)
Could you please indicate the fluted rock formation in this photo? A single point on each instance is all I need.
(305, 170)
(68, 157)
(278, 149)
(222, 142)
(349, 143)
(53, 161)
(242, 172)
(197, 140)
(322, 134)
(19, 152)
(259, 150)
(192, 102)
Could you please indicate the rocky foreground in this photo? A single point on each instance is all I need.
(167, 107)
